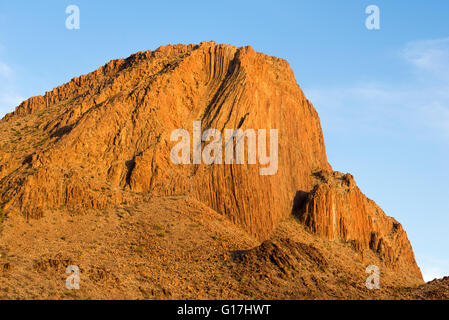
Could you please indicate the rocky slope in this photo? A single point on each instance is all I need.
(178, 248)
(103, 140)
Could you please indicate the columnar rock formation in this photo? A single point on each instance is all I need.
(109, 131)
(336, 209)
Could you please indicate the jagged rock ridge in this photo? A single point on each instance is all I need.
(108, 132)
(336, 209)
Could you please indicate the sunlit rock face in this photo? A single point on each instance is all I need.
(102, 137)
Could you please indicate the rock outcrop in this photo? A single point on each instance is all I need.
(117, 122)
(336, 209)
(107, 134)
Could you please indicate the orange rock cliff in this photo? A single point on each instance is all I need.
(109, 131)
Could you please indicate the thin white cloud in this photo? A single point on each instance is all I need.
(429, 55)
(415, 108)
(9, 98)
(5, 71)
(381, 109)
(437, 116)
(430, 59)
(9, 90)
(421, 102)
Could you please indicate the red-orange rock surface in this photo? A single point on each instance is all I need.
(336, 209)
(92, 141)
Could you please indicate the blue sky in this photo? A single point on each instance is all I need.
(382, 95)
